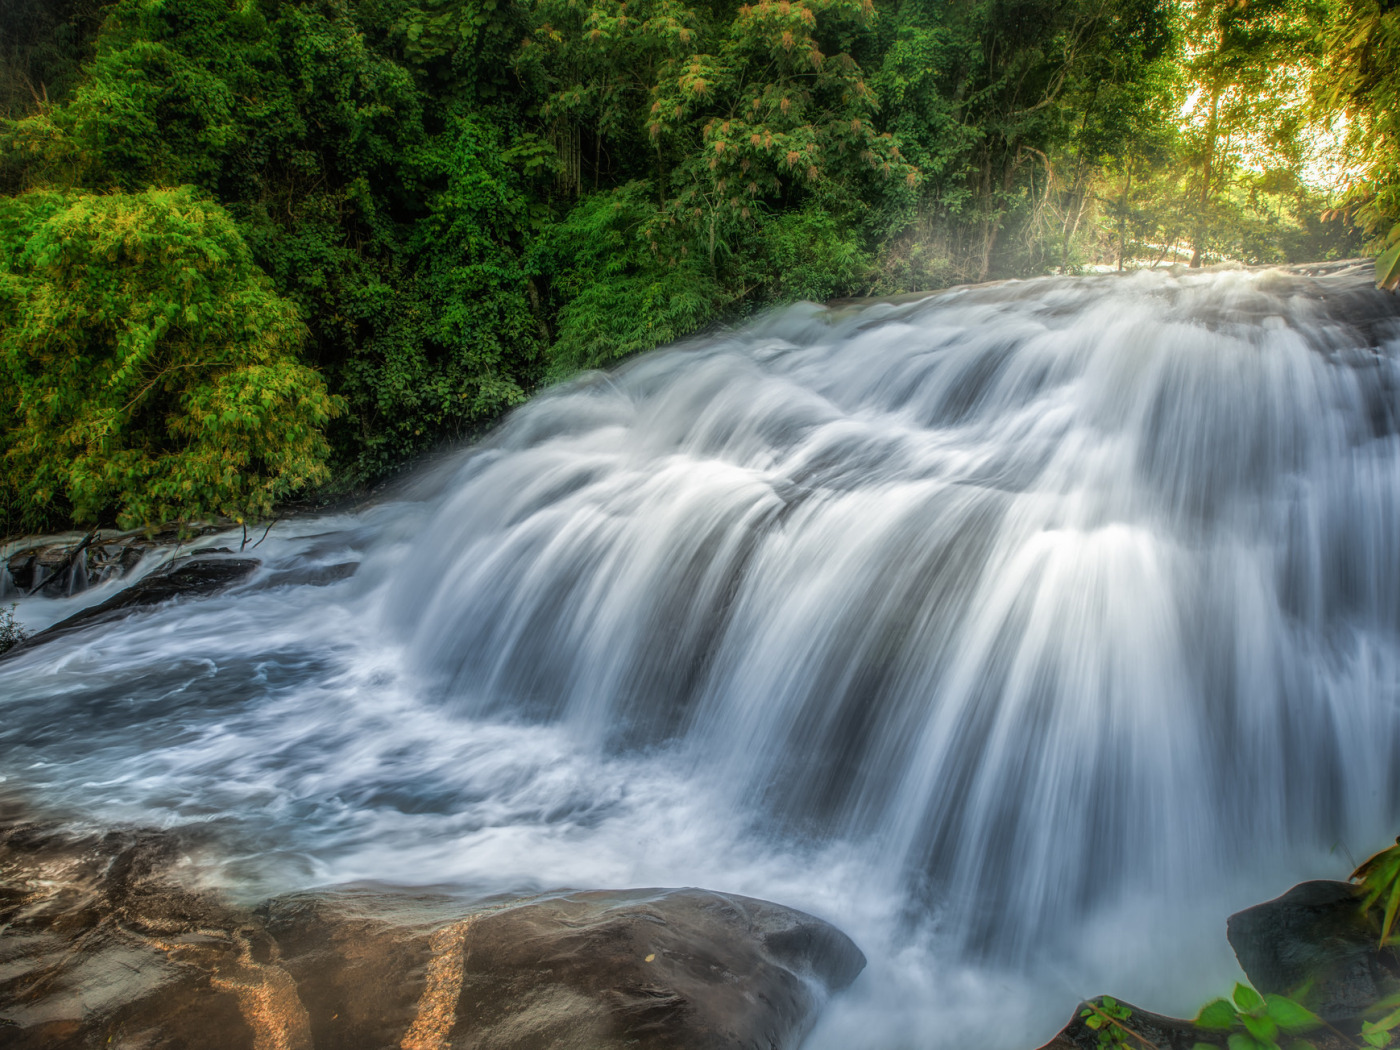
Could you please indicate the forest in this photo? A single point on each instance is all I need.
(260, 251)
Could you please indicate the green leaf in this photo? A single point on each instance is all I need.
(1217, 1014)
(1246, 998)
(1289, 1015)
(1393, 901)
(1386, 1005)
(1262, 1028)
(1388, 278)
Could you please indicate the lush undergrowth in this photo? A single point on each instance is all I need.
(247, 246)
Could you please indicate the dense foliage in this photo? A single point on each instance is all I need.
(219, 210)
(152, 371)
(1358, 74)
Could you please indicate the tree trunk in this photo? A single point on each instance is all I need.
(1123, 218)
(1072, 228)
(1202, 220)
(986, 192)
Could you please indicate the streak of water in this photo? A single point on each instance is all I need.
(1022, 631)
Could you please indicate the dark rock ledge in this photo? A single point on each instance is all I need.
(103, 947)
(188, 577)
(59, 566)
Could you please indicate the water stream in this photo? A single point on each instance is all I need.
(1022, 631)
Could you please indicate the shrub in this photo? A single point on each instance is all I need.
(12, 632)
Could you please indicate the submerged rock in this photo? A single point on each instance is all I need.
(1316, 937)
(103, 947)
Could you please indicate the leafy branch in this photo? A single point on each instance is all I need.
(1379, 875)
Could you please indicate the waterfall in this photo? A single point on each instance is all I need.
(985, 624)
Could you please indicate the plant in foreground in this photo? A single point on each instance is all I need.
(1378, 1032)
(1251, 1021)
(1388, 262)
(1378, 879)
(1257, 1022)
(12, 632)
(1106, 1017)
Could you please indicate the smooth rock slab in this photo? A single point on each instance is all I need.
(653, 967)
(104, 948)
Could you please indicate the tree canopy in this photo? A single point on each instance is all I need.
(253, 244)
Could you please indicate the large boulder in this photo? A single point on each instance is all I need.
(1315, 942)
(104, 948)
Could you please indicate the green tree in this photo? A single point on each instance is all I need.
(42, 50)
(1249, 68)
(152, 371)
(1011, 108)
(450, 338)
(1357, 77)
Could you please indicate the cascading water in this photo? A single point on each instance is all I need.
(1023, 631)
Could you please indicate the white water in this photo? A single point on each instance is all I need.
(1023, 632)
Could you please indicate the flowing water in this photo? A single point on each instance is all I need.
(1022, 631)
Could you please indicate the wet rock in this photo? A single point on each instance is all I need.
(1316, 935)
(184, 578)
(1313, 944)
(104, 947)
(57, 568)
